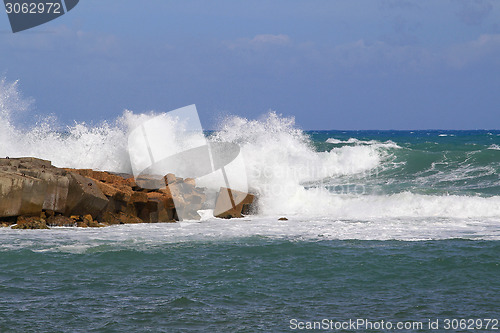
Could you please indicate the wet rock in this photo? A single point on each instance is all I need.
(60, 221)
(30, 222)
(120, 218)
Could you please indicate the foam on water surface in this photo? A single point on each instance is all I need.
(288, 175)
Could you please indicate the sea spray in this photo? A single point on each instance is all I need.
(281, 161)
(354, 179)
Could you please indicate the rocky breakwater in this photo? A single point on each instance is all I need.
(36, 195)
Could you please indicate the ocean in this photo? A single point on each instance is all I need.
(387, 231)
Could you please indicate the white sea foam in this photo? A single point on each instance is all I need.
(148, 237)
(280, 161)
(388, 144)
(494, 147)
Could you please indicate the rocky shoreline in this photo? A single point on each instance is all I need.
(34, 194)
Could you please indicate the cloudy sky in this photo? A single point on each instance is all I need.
(332, 64)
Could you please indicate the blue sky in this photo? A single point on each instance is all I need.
(332, 64)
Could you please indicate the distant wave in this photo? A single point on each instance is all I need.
(362, 142)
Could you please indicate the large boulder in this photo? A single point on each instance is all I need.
(33, 187)
(38, 178)
(60, 221)
(84, 197)
(21, 194)
(57, 185)
(30, 222)
(230, 203)
(119, 218)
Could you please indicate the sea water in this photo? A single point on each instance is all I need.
(383, 226)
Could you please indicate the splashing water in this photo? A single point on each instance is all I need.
(286, 171)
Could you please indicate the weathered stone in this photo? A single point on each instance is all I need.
(21, 195)
(132, 183)
(170, 179)
(187, 199)
(30, 186)
(57, 193)
(230, 203)
(57, 186)
(150, 182)
(60, 221)
(30, 222)
(102, 176)
(165, 206)
(120, 191)
(166, 197)
(119, 218)
(33, 162)
(139, 197)
(89, 221)
(84, 197)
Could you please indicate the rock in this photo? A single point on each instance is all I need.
(57, 184)
(87, 219)
(120, 192)
(21, 194)
(165, 206)
(81, 224)
(120, 218)
(139, 197)
(170, 179)
(187, 199)
(30, 222)
(60, 221)
(282, 219)
(230, 203)
(102, 176)
(84, 197)
(190, 181)
(52, 185)
(150, 182)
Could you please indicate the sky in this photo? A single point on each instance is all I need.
(331, 64)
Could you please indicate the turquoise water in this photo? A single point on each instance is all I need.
(247, 285)
(420, 242)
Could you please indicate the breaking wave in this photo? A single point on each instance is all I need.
(286, 171)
